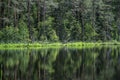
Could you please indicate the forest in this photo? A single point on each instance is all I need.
(59, 39)
(59, 20)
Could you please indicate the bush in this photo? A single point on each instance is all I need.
(23, 32)
(9, 34)
(15, 34)
(52, 36)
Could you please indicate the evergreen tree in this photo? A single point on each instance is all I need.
(62, 20)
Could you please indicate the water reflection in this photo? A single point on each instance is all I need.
(60, 64)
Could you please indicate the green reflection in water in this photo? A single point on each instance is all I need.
(101, 63)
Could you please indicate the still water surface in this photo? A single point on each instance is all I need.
(60, 64)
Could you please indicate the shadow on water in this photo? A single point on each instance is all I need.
(60, 64)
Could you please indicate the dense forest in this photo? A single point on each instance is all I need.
(59, 20)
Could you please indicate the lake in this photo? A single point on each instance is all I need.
(100, 63)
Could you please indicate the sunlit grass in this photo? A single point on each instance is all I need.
(37, 45)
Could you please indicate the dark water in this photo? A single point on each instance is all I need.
(60, 64)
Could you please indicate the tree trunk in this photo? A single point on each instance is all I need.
(15, 15)
(8, 5)
(118, 26)
(93, 15)
(82, 25)
(29, 27)
(81, 19)
(38, 13)
(44, 12)
(2, 10)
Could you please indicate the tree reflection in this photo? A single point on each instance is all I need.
(60, 64)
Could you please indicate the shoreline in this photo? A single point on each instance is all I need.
(56, 45)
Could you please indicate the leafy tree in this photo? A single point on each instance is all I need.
(49, 33)
(61, 20)
(90, 32)
(23, 31)
(9, 34)
(75, 31)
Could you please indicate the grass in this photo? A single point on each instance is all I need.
(29, 45)
(55, 45)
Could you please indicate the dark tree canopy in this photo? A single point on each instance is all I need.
(59, 20)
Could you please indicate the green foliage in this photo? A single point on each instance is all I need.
(43, 38)
(15, 34)
(1, 34)
(23, 31)
(59, 20)
(52, 36)
(90, 32)
(75, 31)
(9, 34)
(46, 30)
(34, 34)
